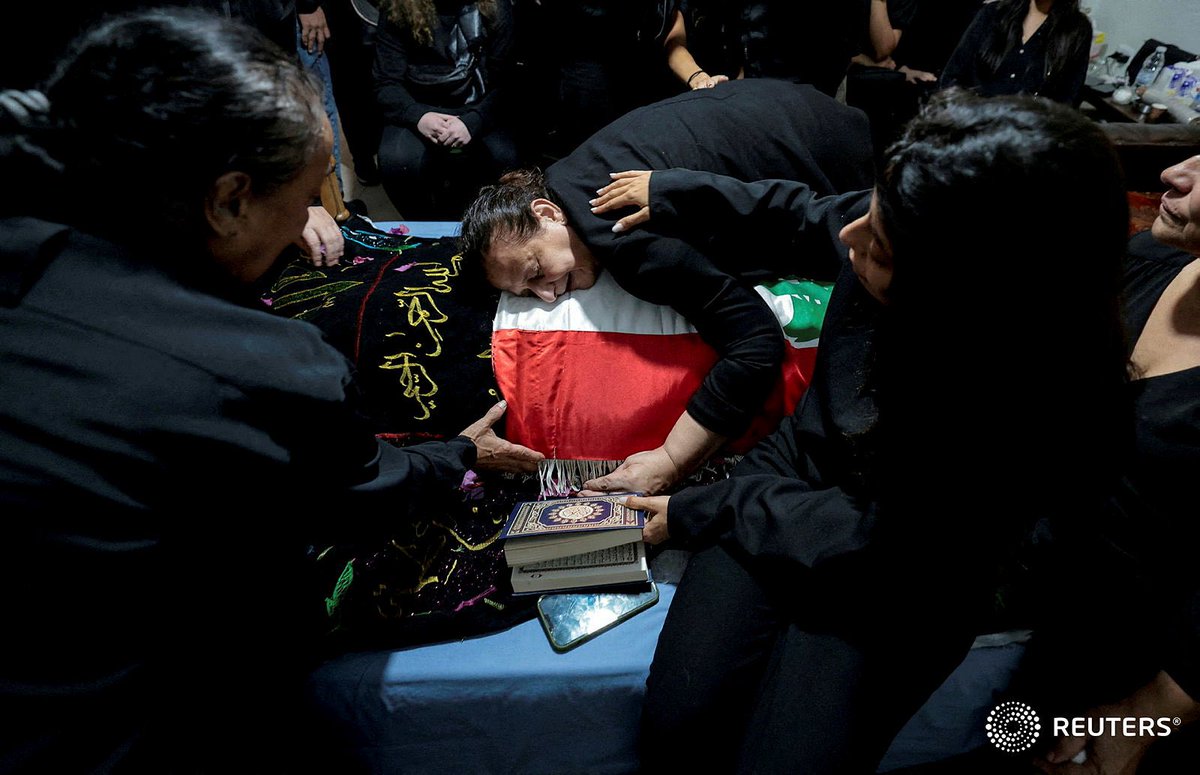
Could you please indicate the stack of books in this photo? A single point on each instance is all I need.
(570, 543)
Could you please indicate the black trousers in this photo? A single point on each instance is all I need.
(430, 182)
(739, 683)
(351, 51)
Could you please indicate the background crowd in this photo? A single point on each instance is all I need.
(436, 97)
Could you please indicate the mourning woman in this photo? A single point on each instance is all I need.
(168, 448)
(440, 72)
(1035, 47)
(969, 384)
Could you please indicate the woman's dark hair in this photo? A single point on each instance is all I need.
(1061, 30)
(1003, 349)
(420, 16)
(147, 110)
(502, 209)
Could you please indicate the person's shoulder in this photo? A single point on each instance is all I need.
(1078, 25)
(147, 309)
(1150, 264)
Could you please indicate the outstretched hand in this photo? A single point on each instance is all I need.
(650, 472)
(630, 188)
(321, 241)
(655, 531)
(494, 453)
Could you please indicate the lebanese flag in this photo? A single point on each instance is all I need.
(600, 374)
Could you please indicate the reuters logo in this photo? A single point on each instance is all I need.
(1013, 727)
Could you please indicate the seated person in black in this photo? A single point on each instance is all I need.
(873, 83)
(1038, 47)
(608, 58)
(842, 571)
(541, 238)
(441, 68)
(805, 41)
(1162, 315)
(168, 447)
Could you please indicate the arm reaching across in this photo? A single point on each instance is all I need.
(494, 453)
(687, 446)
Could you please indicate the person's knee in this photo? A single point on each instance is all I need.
(401, 153)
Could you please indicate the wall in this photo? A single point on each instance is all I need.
(1131, 22)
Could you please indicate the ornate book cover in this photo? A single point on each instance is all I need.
(564, 516)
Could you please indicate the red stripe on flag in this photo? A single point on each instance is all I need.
(583, 395)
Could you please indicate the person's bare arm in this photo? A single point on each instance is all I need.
(1117, 754)
(681, 61)
(884, 37)
(687, 446)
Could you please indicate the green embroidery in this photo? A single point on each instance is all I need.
(339, 589)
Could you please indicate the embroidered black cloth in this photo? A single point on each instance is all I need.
(418, 331)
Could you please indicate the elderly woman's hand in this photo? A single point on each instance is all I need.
(322, 241)
(628, 189)
(649, 472)
(494, 453)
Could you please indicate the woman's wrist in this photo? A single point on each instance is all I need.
(692, 77)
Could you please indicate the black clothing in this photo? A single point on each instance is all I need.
(1025, 68)
(412, 79)
(609, 60)
(934, 33)
(806, 656)
(168, 449)
(806, 41)
(1167, 452)
(747, 129)
(739, 684)
(1128, 575)
(404, 100)
(351, 52)
(849, 536)
(48, 28)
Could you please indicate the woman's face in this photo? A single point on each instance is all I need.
(1178, 221)
(870, 252)
(261, 226)
(548, 264)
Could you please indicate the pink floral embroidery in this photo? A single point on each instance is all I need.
(399, 231)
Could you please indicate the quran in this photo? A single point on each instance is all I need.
(623, 564)
(538, 531)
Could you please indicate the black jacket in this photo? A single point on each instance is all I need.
(750, 130)
(167, 452)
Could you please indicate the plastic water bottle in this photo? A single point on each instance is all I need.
(1150, 69)
(1186, 84)
(1177, 73)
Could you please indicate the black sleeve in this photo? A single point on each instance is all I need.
(483, 116)
(730, 316)
(785, 211)
(901, 13)
(780, 502)
(963, 67)
(396, 103)
(1066, 85)
(1183, 656)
